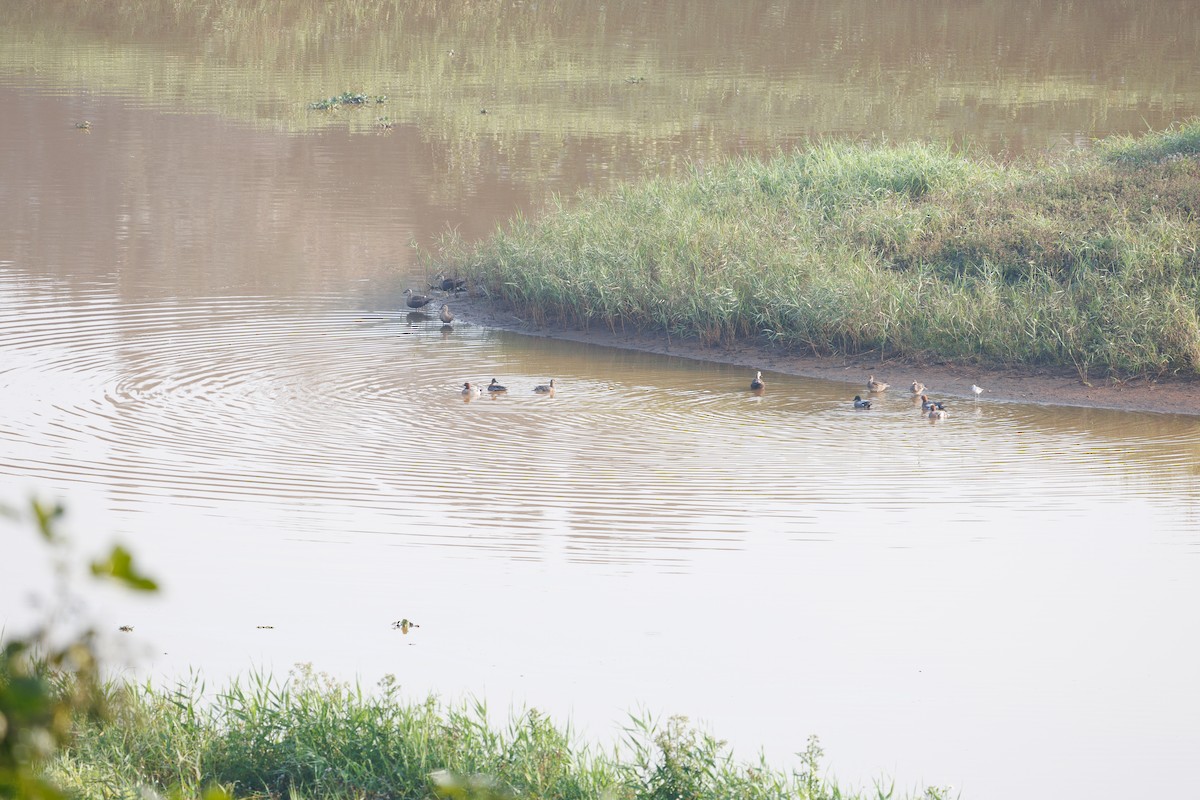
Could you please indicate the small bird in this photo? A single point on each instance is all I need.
(495, 386)
(545, 388)
(445, 316)
(978, 390)
(757, 384)
(470, 391)
(126, 629)
(448, 284)
(84, 125)
(860, 403)
(927, 404)
(417, 300)
(876, 386)
(917, 387)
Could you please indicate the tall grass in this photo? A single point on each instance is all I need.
(312, 737)
(915, 250)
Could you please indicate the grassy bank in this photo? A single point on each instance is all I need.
(312, 737)
(1089, 262)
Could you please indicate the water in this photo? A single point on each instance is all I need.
(202, 353)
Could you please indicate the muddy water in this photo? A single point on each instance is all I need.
(204, 352)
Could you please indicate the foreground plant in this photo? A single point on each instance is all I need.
(314, 737)
(49, 679)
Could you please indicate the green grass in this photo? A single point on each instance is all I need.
(1088, 262)
(312, 737)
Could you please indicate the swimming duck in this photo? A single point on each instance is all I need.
(445, 316)
(860, 403)
(417, 300)
(927, 404)
(936, 413)
(470, 391)
(495, 386)
(917, 387)
(545, 388)
(978, 390)
(876, 386)
(757, 384)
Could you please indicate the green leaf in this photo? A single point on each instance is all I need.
(120, 567)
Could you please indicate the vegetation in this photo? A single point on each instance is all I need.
(49, 677)
(1089, 262)
(313, 737)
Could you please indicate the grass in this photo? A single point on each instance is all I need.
(1088, 262)
(312, 737)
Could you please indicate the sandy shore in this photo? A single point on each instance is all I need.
(1052, 387)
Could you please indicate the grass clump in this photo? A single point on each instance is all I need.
(345, 99)
(312, 737)
(911, 250)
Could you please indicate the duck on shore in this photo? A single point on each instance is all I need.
(449, 284)
(445, 316)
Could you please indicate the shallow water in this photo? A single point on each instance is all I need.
(203, 352)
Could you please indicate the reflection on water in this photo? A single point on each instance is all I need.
(581, 94)
(204, 351)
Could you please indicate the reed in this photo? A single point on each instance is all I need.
(313, 737)
(1088, 262)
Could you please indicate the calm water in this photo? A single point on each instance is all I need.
(201, 353)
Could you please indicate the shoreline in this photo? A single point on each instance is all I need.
(1040, 386)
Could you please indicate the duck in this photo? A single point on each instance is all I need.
(545, 388)
(449, 284)
(445, 316)
(417, 300)
(757, 384)
(470, 391)
(976, 390)
(927, 404)
(917, 387)
(495, 386)
(936, 413)
(860, 403)
(876, 386)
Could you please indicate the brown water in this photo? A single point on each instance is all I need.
(201, 352)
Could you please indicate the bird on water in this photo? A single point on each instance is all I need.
(416, 300)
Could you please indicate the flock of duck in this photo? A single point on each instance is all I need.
(494, 389)
(454, 285)
(934, 409)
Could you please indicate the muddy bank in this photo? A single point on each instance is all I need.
(1169, 395)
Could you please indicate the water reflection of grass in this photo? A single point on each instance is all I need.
(727, 78)
(313, 737)
(1089, 262)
